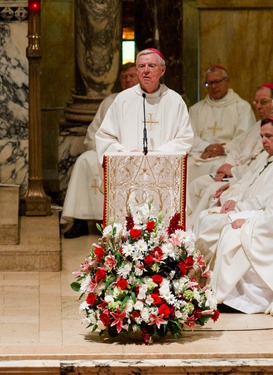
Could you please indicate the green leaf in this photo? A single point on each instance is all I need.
(75, 286)
(99, 227)
(109, 281)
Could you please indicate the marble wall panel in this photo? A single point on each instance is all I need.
(13, 96)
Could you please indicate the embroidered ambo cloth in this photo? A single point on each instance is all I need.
(134, 179)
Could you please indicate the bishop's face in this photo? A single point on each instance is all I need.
(267, 137)
(149, 72)
(263, 103)
(217, 85)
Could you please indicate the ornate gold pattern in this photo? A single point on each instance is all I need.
(137, 179)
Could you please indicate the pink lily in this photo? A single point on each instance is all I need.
(118, 316)
(157, 319)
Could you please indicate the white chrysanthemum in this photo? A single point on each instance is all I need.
(128, 250)
(85, 284)
(168, 250)
(141, 245)
(125, 269)
(170, 298)
(137, 255)
(139, 268)
(188, 238)
(138, 305)
(110, 229)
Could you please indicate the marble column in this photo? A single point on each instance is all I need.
(13, 94)
(158, 23)
(97, 61)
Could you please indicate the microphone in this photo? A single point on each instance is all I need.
(145, 139)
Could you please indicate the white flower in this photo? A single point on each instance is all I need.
(84, 305)
(138, 305)
(142, 292)
(168, 250)
(85, 284)
(144, 313)
(129, 305)
(114, 230)
(137, 255)
(141, 245)
(139, 268)
(211, 299)
(108, 296)
(101, 326)
(125, 270)
(149, 300)
(188, 239)
(127, 250)
(196, 295)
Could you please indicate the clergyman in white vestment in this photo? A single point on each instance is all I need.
(217, 121)
(168, 125)
(242, 274)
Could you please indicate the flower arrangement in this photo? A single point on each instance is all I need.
(137, 279)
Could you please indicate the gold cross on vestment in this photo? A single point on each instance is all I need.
(150, 122)
(214, 129)
(95, 185)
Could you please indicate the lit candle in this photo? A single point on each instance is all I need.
(34, 5)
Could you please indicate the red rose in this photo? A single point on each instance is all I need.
(91, 299)
(99, 251)
(182, 268)
(189, 261)
(157, 279)
(120, 250)
(197, 313)
(164, 310)
(122, 284)
(215, 315)
(156, 298)
(150, 226)
(135, 233)
(100, 274)
(105, 318)
(149, 260)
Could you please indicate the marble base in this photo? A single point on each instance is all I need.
(38, 248)
(147, 367)
(9, 206)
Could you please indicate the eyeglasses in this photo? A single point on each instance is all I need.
(215, 82)
(262, 102)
